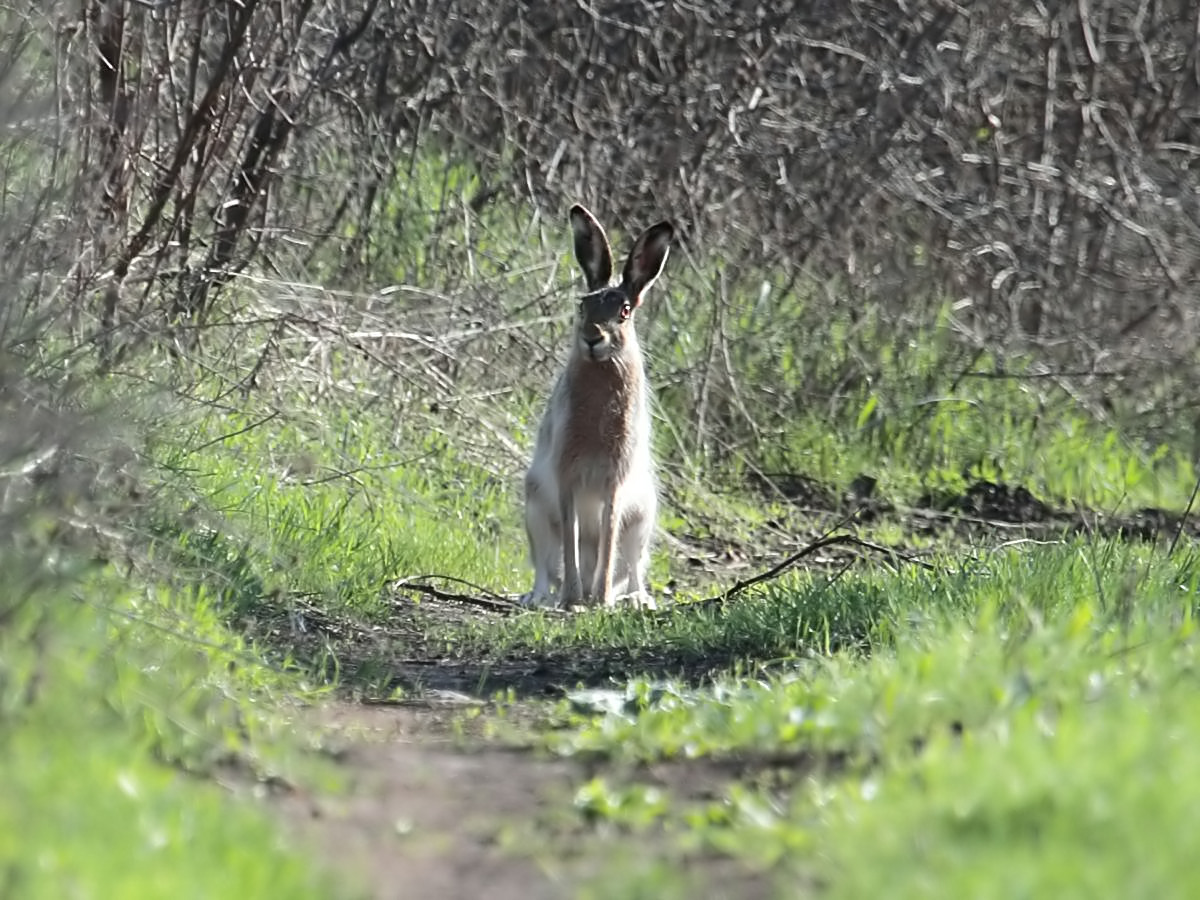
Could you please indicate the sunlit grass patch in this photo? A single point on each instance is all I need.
(334, 508)
(116, 707)
(1006, 730)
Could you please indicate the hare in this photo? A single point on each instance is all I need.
(590, 495)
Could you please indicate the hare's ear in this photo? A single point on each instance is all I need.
(591, 248)
(646, 259)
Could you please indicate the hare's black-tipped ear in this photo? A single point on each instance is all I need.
(646, 259)
(591, 248)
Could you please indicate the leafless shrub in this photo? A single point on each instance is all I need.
(1032, 160)
(1032, 163)
(48, 470)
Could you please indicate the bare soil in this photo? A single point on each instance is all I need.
(424, 816)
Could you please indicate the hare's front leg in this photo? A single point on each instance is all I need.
(544, 530)
(633, 549)
(605, 565)
(572, 587)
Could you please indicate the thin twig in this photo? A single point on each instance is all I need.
(1035, 376)
(893, 553)
(1183, 519)
(1090, 530)
(224, 437)
(349, 473)
(779, 568)
(827, 540)
(482, 596)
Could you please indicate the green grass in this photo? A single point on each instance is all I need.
(941, 725)
(767, 625)
(335, 509)
(1026, 727)
(103, 820)
(315, 494)
(117, 706)
(832, 395)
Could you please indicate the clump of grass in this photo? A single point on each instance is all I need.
(804, 613)
(119, 700)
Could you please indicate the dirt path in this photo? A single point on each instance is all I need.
(425, 813)
(422, 815)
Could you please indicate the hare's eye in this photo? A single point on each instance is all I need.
(626, 309)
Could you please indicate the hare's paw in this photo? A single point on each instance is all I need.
(641, 600)
(571, 593)
(536, 599)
